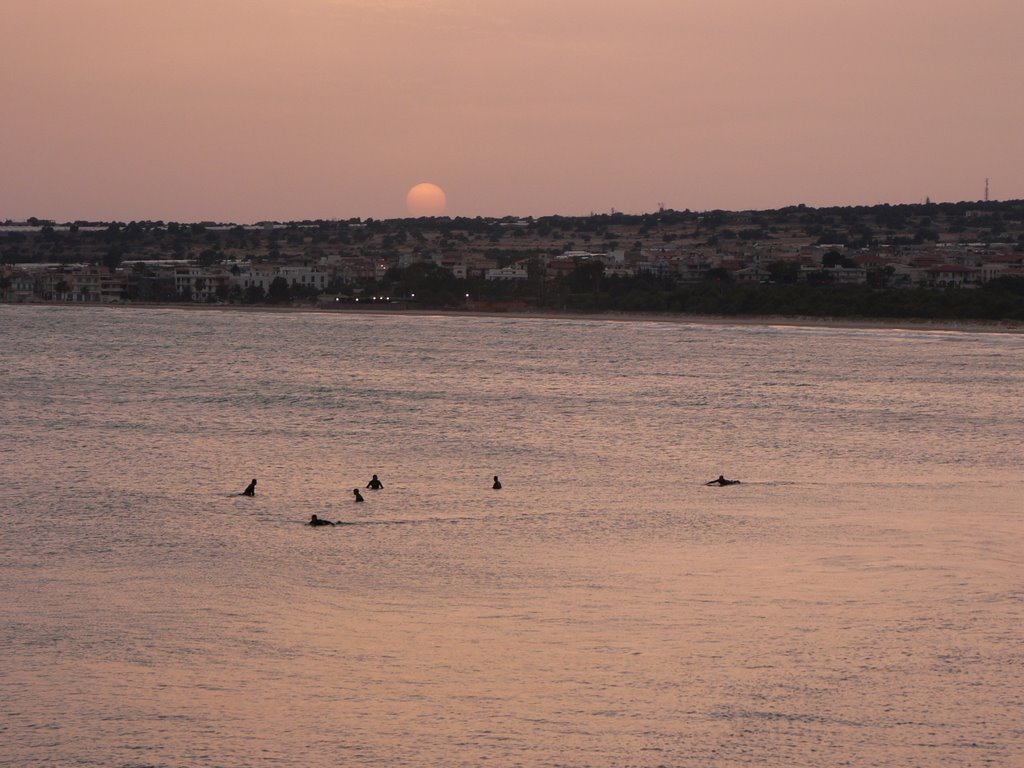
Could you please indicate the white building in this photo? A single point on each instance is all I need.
(304, 276)
(513, 272)
(262, 275)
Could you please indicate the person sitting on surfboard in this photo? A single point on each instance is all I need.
(722, 481)
(497, 484)
(358, 495)
(375, 484)
(314, 520)
(250, 489)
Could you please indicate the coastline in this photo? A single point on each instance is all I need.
(789, 321)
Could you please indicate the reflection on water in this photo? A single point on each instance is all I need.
(857, 599)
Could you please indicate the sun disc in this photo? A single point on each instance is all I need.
(426, 199)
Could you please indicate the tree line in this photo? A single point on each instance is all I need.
(588, 289)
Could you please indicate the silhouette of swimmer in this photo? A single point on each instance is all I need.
(722, 481)
(375, 484)
(359, 496)
(250, 489)
(497, 484)
(314, 520)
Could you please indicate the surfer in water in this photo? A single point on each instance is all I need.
(722, 481)
(314, 521)
(358, 495)
(250, 489)
(497, 484)
(374, 484)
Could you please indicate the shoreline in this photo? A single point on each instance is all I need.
(789, 321)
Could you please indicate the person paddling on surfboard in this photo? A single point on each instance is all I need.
(250, 489)
(722, 481)
(314, 521)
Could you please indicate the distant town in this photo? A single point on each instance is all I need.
(930, 260)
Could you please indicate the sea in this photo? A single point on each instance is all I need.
(857, 600)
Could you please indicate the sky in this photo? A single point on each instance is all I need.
(248, 110)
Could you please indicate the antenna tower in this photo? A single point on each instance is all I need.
(986, 189)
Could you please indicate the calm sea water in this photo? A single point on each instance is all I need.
(858, 600)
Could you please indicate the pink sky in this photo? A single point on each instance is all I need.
(243, 110)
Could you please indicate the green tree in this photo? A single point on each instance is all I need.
(112, 259)
(786, 272)
(586, 277)
(279, 291)
(432, 285)
(208, 257)
(718, 275)
(832, 259)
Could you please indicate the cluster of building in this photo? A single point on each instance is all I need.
(163, 280)
(941, 265)
(936, 265)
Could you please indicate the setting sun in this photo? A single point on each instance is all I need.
(426, 199)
